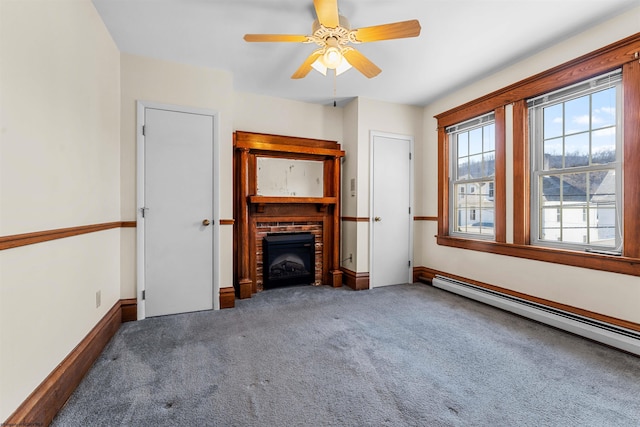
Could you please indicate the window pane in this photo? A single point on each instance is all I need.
(463, 144)
(604, 231)
(485, 223)
(576, 150)
(576, 115)
(461, 221)
(602, 212)
(603, 108)
(550, 225)
(475, 166)
(489, 137)
(553, 121)
(463, 168)
(550, 195)
(574, 189)
(602, 187)
(574, 229)
(553, 153)
(475, 141)
(489, 163)
(603, 146)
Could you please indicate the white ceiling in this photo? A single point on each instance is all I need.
(461, 40)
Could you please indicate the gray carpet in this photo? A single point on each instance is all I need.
(406, 355)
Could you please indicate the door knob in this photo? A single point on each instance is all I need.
(377, 219)
(206, 222)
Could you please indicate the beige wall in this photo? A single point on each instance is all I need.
(277, 116)
(59, 164)
(349, 231)
(606, 293)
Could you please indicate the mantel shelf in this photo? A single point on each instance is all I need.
(284, 199)
(322, 202)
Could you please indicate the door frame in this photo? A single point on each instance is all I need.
(140, 182)
(372, 135)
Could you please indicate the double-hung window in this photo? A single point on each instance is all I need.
(472, 178)
(576, 151)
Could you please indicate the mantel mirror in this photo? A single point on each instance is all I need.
(280, 177)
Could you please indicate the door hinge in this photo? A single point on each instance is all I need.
(409, 210)
(144, 295)
(409, 156)
(143, 130)
(408, 264)
(142, 211)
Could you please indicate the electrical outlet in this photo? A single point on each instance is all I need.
(98, 298)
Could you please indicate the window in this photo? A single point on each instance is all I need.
(472, 176)
(574, 178)
(575, 184)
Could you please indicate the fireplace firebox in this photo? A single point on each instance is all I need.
(289, 259)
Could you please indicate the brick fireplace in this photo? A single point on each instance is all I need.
(258, 215)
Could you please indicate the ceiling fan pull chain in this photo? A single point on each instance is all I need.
(335, 78)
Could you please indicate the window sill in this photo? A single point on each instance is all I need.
(614, 264)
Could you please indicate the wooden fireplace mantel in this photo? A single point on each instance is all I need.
(322, 203)
(249, 207)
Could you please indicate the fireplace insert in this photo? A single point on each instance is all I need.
(288, 259)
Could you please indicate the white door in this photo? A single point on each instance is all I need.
(391, 205)
(177, 211)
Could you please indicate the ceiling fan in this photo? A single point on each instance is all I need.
(331, 31)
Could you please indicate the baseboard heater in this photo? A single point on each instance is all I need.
(606, 333)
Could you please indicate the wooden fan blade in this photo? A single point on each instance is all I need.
(397, 30)
(327, 11)
(361, 63)
(306, 66)
(274, 38)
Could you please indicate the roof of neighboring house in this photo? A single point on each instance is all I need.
(570, 192)
(606, 191)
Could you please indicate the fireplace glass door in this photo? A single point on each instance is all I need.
(289, 259)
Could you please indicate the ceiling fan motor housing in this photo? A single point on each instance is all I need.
(342, 33)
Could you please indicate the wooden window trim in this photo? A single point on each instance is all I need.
(631, 159)
(521, 175)
(620, 54)
(500, 185)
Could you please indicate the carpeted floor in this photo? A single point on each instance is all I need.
(406, 355)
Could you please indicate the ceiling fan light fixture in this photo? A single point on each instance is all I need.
(319, 66)
(332, 57)
(344, 66)
(340, 64)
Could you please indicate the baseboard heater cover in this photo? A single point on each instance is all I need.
(606, 333)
